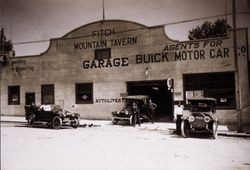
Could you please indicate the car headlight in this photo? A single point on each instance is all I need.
(191, 118)
(126, 112)
(207, 119)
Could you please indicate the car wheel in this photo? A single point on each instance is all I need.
(184, 130)
(132, 120)
(56, 122)
(31, 120)
(75, 123)
(215, 133)
(114, 121)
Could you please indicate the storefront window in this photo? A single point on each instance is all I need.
(220, 86)
(84, 93)
(14, 95)
(48, 94)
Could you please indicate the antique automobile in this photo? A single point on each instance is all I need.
(145, 107)
(200, 118)
(54, 118)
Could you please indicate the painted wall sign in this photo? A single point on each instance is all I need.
(159, 57)
(197, 50)
(103, 32)
(182, 51)
(115, 62)
(193, 45)
(111, 100)
(21, 66)
(105, 43)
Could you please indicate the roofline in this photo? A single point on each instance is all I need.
(110, 20)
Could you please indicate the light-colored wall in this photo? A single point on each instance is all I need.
(62, 65)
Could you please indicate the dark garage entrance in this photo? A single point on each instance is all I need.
(159, 93)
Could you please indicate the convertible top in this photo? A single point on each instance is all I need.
(194, 101)
(202, 99)
(137, 97)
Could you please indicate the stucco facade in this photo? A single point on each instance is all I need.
(138, 58)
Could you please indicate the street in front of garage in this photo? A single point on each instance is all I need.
(118, 147)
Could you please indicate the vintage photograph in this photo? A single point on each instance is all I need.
(125, 84)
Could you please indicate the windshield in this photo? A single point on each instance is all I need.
(200, 106)
(129, 102)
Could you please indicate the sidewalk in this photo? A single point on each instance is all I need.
(222, 129)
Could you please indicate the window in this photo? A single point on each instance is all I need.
(14, 95)
(48, 94)
(101, 54)
(220, 86)
(84, 93)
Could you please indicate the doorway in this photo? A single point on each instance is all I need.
(30, 98)
(160, 94)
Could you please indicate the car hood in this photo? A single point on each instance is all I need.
(203, 114)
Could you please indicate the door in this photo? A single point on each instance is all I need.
(30, 98)
(160, 94)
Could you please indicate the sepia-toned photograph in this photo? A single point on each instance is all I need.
(125, 84)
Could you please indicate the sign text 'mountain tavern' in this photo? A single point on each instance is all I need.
(105, 43)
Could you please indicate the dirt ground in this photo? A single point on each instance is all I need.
(118, 147)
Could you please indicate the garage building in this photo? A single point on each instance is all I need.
(94, 66)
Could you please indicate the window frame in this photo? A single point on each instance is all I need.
(77, 91)
(102, 57)
(10, 95)
(43, 93)
(213, 90)
(27, 98)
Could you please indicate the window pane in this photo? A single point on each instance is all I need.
(217, 85)
(48, 94)
(14, 95)
(101, 54)
(84, 93)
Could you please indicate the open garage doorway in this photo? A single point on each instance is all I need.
(159, 93)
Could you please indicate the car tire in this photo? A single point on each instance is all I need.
(56, 122)
(214, 130)
(132, 120)
(31, 120)
(114, 121)
(184, 130)
(75, 123)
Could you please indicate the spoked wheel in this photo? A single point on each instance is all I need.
(215, 133)
(184, 129)
(31, 120)
(132, 120)
(75, 123)
(56, 122)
